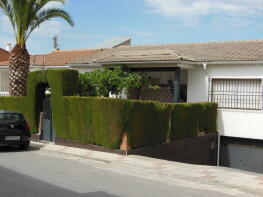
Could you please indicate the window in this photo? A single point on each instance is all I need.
(236, 93)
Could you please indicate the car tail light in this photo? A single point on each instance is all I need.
(27, 127)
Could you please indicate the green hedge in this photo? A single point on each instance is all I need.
(62, 82)
(148, 123)
(90, 120)
(103, 121)
(188, 119)
(18, 104)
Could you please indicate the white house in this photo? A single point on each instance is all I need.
(229, 73)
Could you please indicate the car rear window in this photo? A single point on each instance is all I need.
(10, 117)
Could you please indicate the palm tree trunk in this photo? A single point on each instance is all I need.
(19, 68)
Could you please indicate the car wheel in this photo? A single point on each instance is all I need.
(24, 146)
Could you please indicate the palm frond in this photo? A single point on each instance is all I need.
(48, 14)
(9, 12)
(26, 15)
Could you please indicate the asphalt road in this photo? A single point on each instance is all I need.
(34, 173)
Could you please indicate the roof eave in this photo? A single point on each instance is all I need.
(185, 62)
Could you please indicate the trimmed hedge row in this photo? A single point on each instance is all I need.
(147, 123)
(89, 120)
(102, 121)
(187, 119)
(19, 104)
(61, 82)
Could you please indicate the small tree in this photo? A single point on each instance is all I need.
(102, 82)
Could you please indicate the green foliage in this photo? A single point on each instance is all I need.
(188, 119)
(208, 122)
(148, 123)
(18, 104)
(103, 121)
(62, 82)
(90, 120)
(102, 82)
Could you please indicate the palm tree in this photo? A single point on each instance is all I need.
(25, 16)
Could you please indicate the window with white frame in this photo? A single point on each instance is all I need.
(236, 93)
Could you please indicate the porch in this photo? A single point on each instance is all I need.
(171, 84)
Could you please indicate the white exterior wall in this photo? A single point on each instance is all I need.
(232, 123)
(197, 89)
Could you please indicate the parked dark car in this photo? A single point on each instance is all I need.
(14, 130)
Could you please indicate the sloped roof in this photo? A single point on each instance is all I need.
(4, 55)
(251, 50)
(60, 57)
(57, 58)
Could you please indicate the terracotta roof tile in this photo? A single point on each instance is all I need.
(251, 50)
(4, 55)
(57, 58)
(60, 57)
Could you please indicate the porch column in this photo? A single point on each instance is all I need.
(177, 72)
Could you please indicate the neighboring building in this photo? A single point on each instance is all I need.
(4, 55)
(114, 42)
(4, 82)
(54, 60)
(229, 73)
(57, 59)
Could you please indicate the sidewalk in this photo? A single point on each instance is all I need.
(231, 181)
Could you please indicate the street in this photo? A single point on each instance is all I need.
(35, 173)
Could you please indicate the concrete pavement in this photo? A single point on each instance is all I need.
(218, 179)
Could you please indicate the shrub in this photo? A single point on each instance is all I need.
(62, 82)
(18, 104)
(90, 120)
(188, 119)
(103, 121)
(208, 121)
(148, 123)
(102, 82)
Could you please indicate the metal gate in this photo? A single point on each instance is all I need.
(243, 157)
(48, 134)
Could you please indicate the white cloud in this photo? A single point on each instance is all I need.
(190, 11)
(5, 25)
(54, 5)
(50, 28)
(189, 8)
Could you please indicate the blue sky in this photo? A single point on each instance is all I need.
(147, 22)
